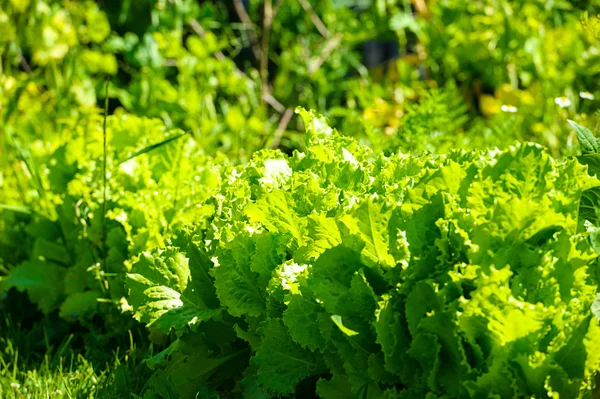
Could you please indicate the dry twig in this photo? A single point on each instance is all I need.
(266, 37)
(251, 29)
(331, 45)
(317, 22)
(266, 96)
(283, 124)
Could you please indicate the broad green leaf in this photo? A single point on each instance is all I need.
(50, 251)
(200, 266)
(275, 213)
(190, 365)
(588, 142)
(369, 221)
(350, 355)
(498, 381)
(83, 304)
(331, 279)
(421, 233)
(562, 384)
(43, 282)
(532, 374)
(301, 318)
(238, 286)
(269, 254)
(281, 363)
(453, 362)
(323, 234)
(336, 387)
(592, 161)
(426, 349)
(591, 341)
(589, 207)
(572, 356)
(165, 294)
(394, 338)
(421, 300)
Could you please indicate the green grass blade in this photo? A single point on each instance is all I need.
(11, 107)
(30, 165)
(10, 110)
(153, 147)
(16, 208)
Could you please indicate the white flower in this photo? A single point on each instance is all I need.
(508, 108)
(586, 95)
(562, 102)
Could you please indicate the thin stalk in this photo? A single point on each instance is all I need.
(153, 147)
(104, 173)
(249, 26)
(264, 59)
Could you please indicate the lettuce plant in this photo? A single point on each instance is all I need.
(345, 273)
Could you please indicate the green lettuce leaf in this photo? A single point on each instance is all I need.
(164, 292)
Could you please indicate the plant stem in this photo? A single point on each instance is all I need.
(104, 172)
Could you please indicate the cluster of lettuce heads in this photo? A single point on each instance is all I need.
(335, 270)
(397, 258)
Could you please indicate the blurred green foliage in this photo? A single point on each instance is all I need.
(232, 75)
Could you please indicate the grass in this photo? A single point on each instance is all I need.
(64, 373)
(39, 362)
(55, 377)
